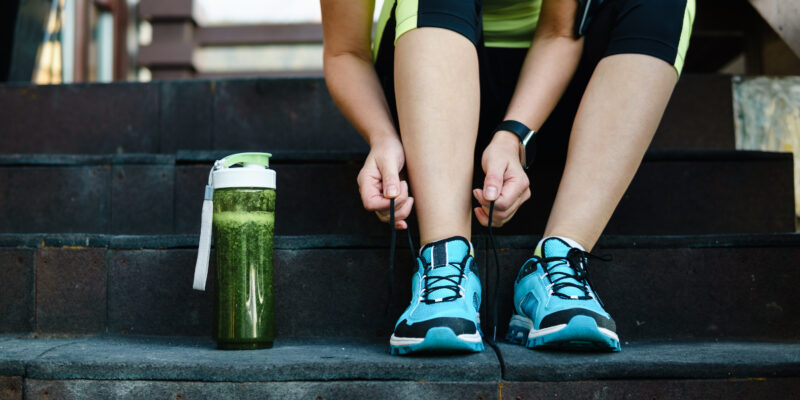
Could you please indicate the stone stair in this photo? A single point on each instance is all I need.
(100, 195)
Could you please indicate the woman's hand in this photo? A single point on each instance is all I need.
(379, 181)
(506, 182)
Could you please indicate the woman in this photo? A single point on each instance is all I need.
(445, 71)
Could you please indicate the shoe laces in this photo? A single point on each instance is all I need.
(574, 276)
(433, 282)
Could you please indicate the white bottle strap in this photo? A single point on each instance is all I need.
(204, 249)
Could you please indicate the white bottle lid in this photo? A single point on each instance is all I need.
(248, 176)
(243, 170)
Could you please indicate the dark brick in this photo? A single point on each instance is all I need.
(190, 183)
(280, 114)
(70, 290)
(669, 293)
(54, 199)
(755, 389)
(355, 279)
(88, 389)
(16, 290)
(88, 118)
(322, 198)
(699, 114)
(675, 196)
(150, 291)
(678, 197)
(187, 117)
(10, 388)
(142, 199)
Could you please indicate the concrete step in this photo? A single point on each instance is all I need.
(719, 287)
(276, 114)
(128, 366)
(674, 192)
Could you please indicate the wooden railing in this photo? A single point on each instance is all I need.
(176, 37)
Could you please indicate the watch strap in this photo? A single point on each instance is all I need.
(515, 127)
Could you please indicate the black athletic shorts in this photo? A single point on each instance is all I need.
(659, 28)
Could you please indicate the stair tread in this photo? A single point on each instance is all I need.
(139, 357)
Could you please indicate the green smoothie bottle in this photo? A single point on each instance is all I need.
(239, 210)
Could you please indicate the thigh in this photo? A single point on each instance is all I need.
(400, 16)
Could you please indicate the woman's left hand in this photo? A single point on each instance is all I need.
(506, 182)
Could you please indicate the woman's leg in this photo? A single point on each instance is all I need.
(437, 91)
(616, 120)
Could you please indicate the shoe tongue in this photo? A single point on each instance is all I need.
(555, 247)
(444, 258)
(444, 252)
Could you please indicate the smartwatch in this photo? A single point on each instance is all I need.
(525, 134)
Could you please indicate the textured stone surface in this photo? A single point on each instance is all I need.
(10, 388)
(16, 290)
(82, 389)
(176, 358)
(54, 199)
(16, 352)
(186, 114)
(701, 389)
(279, 114)
(70, 290)
(665, 360)
(686, 292)
(142, 198)
(85, 118)
(150, 291)
(684, 125)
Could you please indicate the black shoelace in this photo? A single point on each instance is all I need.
(454, 280)
(392, 247)
(576, 260)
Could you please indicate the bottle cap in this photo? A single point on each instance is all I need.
(244, 170)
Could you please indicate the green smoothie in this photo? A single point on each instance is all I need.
(244, 222)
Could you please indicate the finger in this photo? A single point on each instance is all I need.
(481, 216)
(369, 187)
(478, 193)
(493, 183)
(404, 210)
(390, 179)
(512, 192)
(402, 214)
(514, 187)
(501, 217)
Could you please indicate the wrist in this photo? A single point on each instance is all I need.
(506, 139)
(382, 139)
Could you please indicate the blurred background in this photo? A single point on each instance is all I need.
(64, 41)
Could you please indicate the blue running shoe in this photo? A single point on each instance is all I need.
(555, 305)
(445, 299)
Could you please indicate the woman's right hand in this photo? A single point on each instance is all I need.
(379, 181)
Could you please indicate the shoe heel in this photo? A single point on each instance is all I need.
(518, 328)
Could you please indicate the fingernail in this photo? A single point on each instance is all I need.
(490, 193)
(391, 190)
